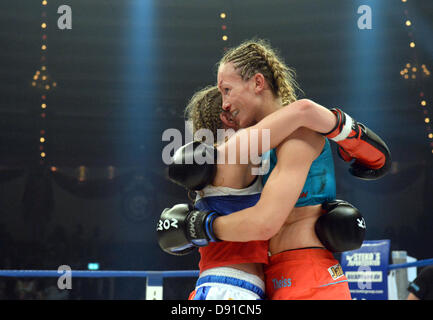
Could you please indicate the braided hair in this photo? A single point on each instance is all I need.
(204, 110)
(256, 56)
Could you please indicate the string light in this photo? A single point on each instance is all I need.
(111, 172)
(413, 70)
(224, 28)
(42, 80)
(82, 173)
(425, 70)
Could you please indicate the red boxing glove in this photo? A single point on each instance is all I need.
(357, 142)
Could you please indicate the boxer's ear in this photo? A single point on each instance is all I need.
(259, 82)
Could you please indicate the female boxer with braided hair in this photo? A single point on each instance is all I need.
(250, 76)
(233, 188)
(246, 257)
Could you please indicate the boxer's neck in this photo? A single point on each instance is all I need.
(271, 105)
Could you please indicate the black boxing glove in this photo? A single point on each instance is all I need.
(341, 227)
(357, 142)
(194, 165)
(182, 228)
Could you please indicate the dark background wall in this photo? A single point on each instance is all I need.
(124, 74)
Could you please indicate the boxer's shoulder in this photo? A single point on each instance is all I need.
(304, 143)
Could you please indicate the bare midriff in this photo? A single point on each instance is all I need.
(297, 231)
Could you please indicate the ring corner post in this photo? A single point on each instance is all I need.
(154, 286)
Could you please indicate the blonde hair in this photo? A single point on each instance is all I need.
(257, 56)
(204, 109)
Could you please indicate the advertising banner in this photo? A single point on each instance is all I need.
(367, 270)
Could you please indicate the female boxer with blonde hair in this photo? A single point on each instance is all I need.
(251, 100)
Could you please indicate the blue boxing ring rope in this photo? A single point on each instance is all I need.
(154, 278)
(99, 274)
(147, 274)
(420, 263)
(154, 283)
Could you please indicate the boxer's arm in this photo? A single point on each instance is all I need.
(278, 126)
(279, 195)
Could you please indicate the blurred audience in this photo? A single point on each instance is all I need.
(74, 250)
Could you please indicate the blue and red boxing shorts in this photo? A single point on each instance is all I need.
(228, 284)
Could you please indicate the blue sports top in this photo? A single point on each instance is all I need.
(320, 184)
(225, 201)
